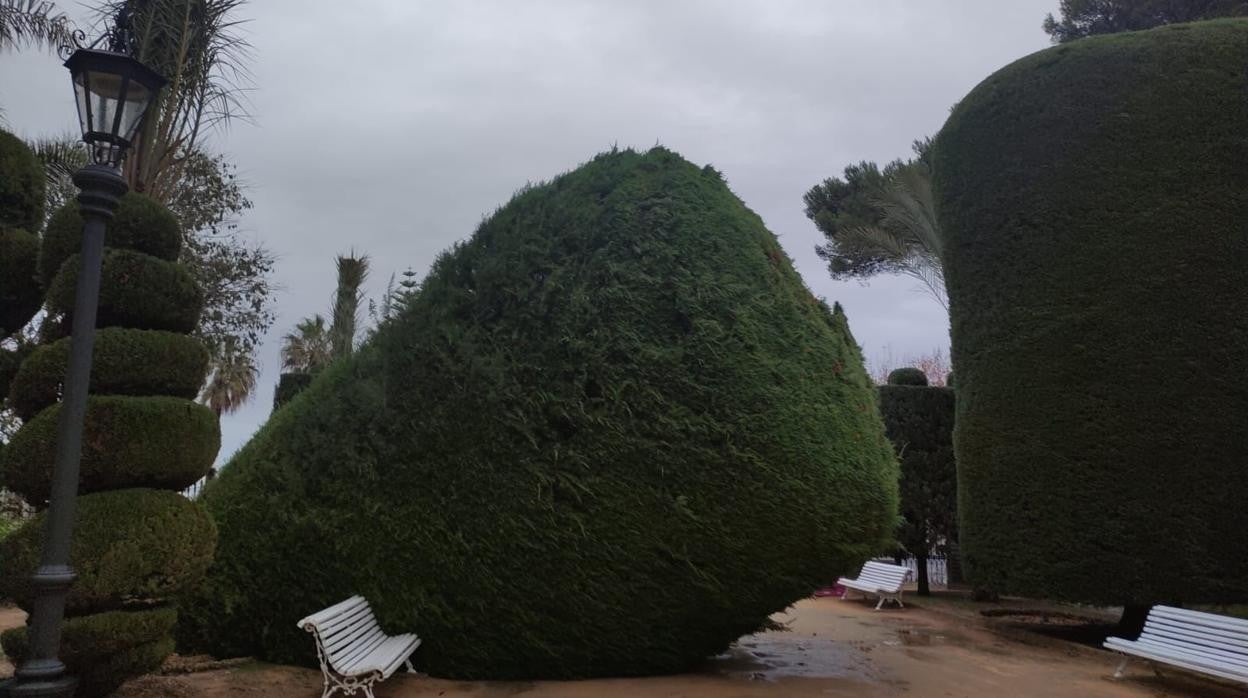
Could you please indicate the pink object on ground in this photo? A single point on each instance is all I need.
(835, 590)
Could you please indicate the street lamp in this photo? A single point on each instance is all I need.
(113, 92)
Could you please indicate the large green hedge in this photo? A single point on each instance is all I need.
(136, 290)
(20, 295)
(1094, 198)
(140, 224)
(919, 422)
(21, 185)
(159, 442)
(288, 386)
(612, 433)
(124, 362)
(129, 548)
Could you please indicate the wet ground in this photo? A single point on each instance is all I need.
(833, 648)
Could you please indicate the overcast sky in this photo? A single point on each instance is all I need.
(391, 127)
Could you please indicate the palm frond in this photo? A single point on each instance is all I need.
(27, 23)
(352, 272)
(231, 384)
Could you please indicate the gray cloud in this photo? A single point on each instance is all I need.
(392, 127)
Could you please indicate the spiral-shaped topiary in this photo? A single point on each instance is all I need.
(135, 548)
(173, 364)
(140, 224)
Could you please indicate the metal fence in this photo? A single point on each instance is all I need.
(193, 491)
(937, 568)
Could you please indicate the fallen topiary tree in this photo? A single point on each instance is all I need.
(1094, 198)
(612, 433)
(137, 542)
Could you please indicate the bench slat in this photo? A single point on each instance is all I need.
(333, 611)
(1201, 618)
(1194, 640)
(1212, 638)
(1212, 654)
(1183, 663)
(1179, 654)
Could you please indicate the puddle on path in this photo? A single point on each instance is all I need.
(772, 656)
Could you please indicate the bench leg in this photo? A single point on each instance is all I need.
(880, 605)
(1121, 667)
(410, 669)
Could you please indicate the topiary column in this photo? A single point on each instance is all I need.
(918, 419)
(137, 542)
(1094, 199)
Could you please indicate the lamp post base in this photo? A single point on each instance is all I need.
(63, 686)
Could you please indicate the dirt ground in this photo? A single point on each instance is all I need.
(833, 649)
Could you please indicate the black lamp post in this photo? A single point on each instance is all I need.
(114, 92)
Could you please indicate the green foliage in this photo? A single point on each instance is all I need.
(21, 184)
(140, 224)
(136, 290)
(907, 376)
(90, 639)
(20, 296)
(919, 422)
(160, 442)
(101, 678)
(610, 434)
(129, 548)
(1083, 18)
(124, 362)
(288, 386)
(1094, 198)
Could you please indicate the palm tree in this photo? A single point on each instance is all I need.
(37, 23)
(61, 157)
(230, 385)
(308, 349)
(908, 233)
(195, 45)
(352, 271)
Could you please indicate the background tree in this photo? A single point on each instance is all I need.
(1082, 18)
(309, 348)
(880, 221)
(348, 299)
(33, 23)
(231, 380)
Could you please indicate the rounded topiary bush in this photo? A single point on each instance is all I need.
(1093, 197)
(87, 639)
(140, 224)
(124, 362)
(612, 433)
(129, 548)
(159, 442)
(21, 185)
(137, 290)
(100, 678)
(907, 376)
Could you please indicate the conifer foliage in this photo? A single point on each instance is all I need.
(611, 433)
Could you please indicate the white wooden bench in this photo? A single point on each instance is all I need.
(878, 579)
(1201, 642)
(353, 651)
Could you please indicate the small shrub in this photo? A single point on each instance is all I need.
(21, 185)
(129, 547)
(87, 639)
(907, 376)
(138, 291)
(124, 362)
(158, 442)
(140, 224)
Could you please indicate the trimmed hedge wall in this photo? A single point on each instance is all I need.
(20, 295)
(612, 433)
(288, 386)
(129, 548)
(87, 639)
(21, 185)
(1094, 198)
(140, 224)
(159, 442)
(138, 291)
(124, 362)
(919, 423)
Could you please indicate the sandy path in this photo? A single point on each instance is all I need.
(834, 649)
